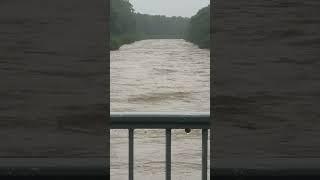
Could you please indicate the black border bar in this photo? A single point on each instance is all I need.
(53, 167)
(266, 167)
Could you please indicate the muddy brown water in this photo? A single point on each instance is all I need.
(160, 75)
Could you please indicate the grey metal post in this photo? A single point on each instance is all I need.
(168, 154)
(204, 153)
(131, 153)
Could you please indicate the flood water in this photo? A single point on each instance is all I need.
(160, 75)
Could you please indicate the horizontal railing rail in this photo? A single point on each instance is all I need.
(119, 120)
(167, 121)
(156, 120)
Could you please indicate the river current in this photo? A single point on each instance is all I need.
(159, 75)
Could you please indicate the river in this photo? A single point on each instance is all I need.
(162, 75)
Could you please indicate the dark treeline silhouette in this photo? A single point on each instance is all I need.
(161, 27)
(122, 23)
(126, 26)
(199, 28)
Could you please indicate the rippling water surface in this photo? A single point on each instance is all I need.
(165, 75)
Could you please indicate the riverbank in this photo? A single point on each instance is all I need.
(116, 43)
(202, 44)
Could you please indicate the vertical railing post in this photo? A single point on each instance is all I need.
(204, 153)
(168, 154)
(131, 153)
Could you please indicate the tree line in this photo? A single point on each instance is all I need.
(199, 28)
(161, 27)
(126, 26)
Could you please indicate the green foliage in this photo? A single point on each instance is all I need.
(121, 17)
(121, 23)
(199, 28)
(126, 26)
(161, 27)
(117, 41)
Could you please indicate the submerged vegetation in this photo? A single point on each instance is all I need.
(126, 26)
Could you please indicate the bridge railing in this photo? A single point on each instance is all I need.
(167, 121)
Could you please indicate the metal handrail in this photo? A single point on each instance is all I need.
(168, 121)
(156, 120)
(96, 166)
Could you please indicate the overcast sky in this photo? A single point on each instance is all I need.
(185, 8)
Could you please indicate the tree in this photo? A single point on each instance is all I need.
(199, 28)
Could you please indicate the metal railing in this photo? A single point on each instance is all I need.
(167, 121)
